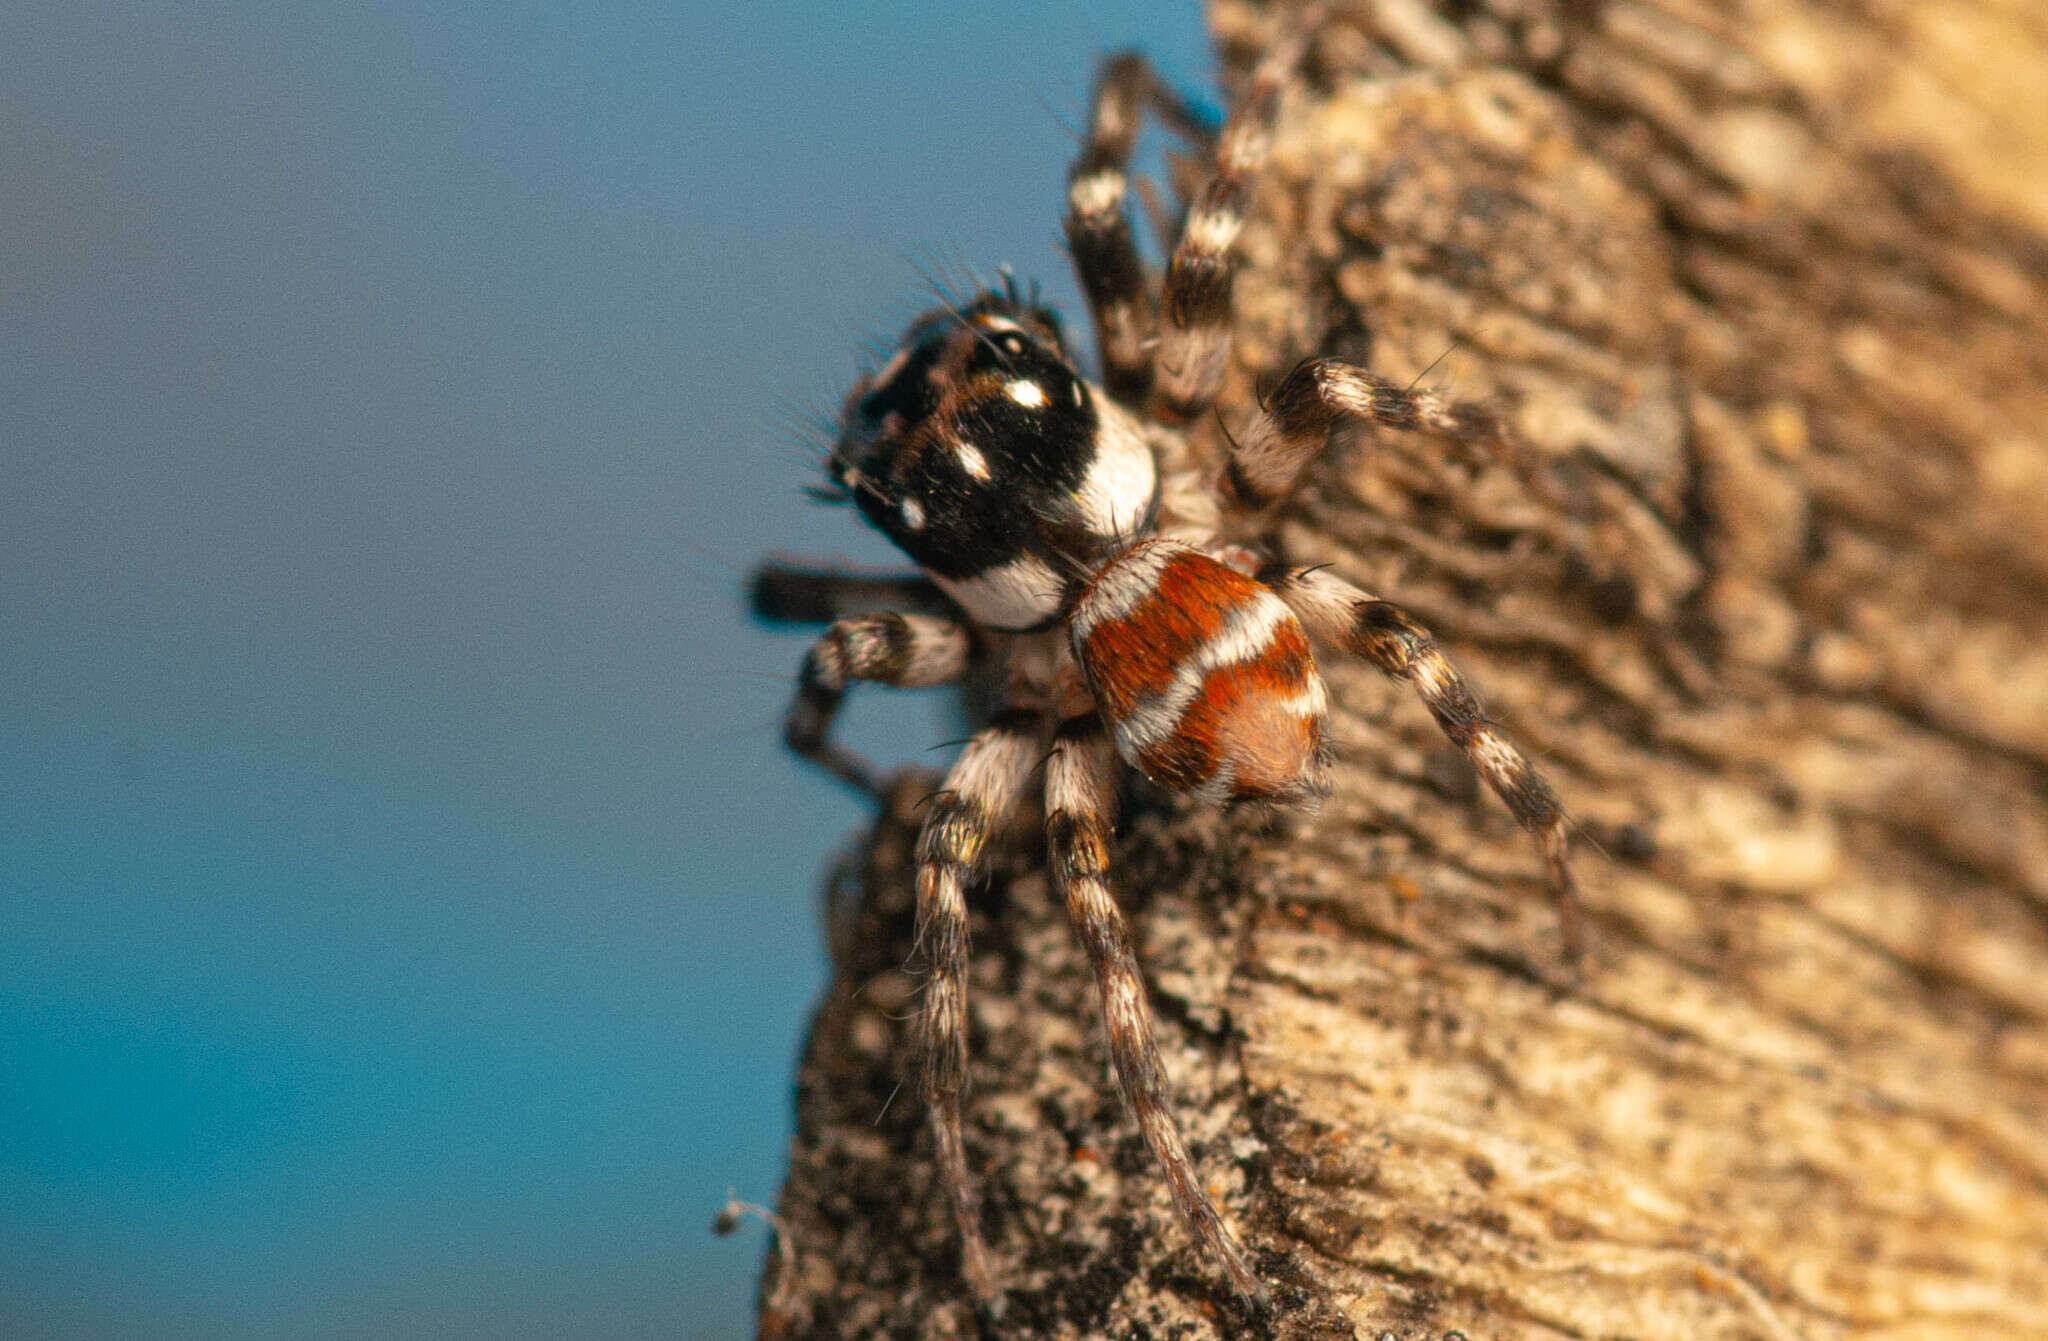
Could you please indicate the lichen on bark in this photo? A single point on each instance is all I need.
(1764, 289)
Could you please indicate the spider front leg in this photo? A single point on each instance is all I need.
(1194, 343)
(1080, 784)
(1099, 237)
(1346, 617)
(907, 651)
(978, 792)
(793, 591)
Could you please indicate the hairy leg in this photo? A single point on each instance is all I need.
(1268, 457)
(1346, 617)
(1194, 341)
(1080, 804)
(1099, 235)
(907, 651)
(792, 591)
(978, 792)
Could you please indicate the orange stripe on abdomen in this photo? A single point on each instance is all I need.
(1166, 612)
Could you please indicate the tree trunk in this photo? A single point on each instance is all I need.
(1762, 286)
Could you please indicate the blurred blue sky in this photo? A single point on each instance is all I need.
(409, 912)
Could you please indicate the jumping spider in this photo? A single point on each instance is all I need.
(1070, 542)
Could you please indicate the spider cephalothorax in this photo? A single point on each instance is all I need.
(981, 451)
(1061, 529)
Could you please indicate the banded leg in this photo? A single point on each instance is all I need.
(1080, 801)
(1099, 236)
(1347, 617)
(978, 792)
(791, 591)
(1194, 345)
(1319, 394)
(907, 651)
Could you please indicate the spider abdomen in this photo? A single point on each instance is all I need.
(1204, 677)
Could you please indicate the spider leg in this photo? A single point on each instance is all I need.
(1267, 459)
(1343, 615)
(907, 651)
(1194, 346)
(1099, 235)
(791, 591)
(1080, 801)
(978, 792)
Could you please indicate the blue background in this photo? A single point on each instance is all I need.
(407, 912)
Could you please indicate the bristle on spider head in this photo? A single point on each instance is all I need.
(1205, 677)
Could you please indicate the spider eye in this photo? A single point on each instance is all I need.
(1012, 342)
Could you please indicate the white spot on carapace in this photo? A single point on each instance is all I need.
(913, 514)
(1027, 393)
(971, 460)
(1076, 390)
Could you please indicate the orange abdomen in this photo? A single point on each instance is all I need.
(1204, 676)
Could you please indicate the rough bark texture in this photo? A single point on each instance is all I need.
(1763, 286)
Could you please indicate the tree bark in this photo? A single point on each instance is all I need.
(1762, 286)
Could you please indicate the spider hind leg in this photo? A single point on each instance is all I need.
(1381, 633)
